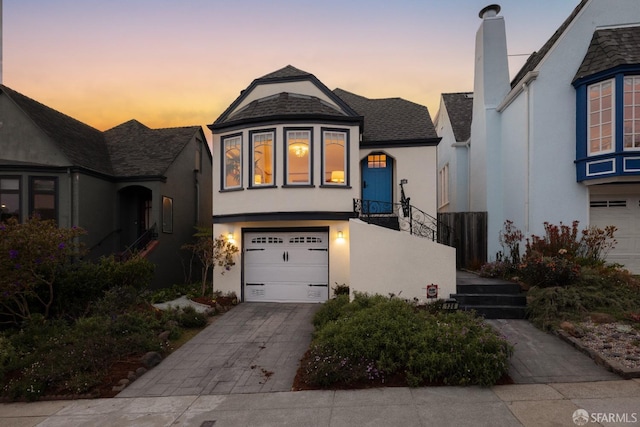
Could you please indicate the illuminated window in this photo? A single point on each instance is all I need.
(376, 161)
(443, 176)
(9, 198)
(298, 154)
(600, 116)
(335, 164)
(43, 197)
(262, 164)
(632, 113)
(232, 162)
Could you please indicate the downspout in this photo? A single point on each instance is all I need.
(525, 87)
(70, 184)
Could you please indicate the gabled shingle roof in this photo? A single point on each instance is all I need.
(137, 150)
(289, 105)
(460, 111)
(535, 58)
(284, 104)
(82, 144)
(391, 119)
(610, 48)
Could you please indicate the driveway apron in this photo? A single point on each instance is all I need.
(253, 348)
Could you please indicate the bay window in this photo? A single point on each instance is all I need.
(600, 116)
(262, 163)
(631, 113)
(335, 158)
(298, 155)
(44, 197)
(232, 162)
(9, 198)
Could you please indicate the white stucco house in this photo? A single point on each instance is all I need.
(561, 140)
(307, 185)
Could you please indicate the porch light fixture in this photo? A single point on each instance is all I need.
(230, 238)
(340, 236)
(337, 176)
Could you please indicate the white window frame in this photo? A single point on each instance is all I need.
(591, 127)
(634, 119)
(443, 177)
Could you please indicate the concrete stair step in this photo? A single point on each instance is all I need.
(497, 311)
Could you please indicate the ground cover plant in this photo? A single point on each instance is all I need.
(64, 322)
(378, 340)
(566, 274)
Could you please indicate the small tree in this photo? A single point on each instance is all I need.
(32, 255)
(211, 252)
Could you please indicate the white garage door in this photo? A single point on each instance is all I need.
(623, 211)
(286, 266)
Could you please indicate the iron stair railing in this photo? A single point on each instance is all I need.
(140, 243)
(410, 219)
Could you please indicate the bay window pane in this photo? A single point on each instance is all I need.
(335, 157)
(262, 173)
(299, 157)
(232, 167)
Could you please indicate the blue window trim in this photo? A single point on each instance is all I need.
(619, 158)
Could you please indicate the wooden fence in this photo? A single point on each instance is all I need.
(468, 235)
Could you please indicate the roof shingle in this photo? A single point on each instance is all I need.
(460, 111)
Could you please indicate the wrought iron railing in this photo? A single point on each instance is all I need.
(410, 219)
(140, 243)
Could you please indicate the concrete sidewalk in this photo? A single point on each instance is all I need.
(532, 405)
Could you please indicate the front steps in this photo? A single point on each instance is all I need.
(490, 298)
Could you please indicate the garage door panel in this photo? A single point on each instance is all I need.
(286, 266)
(622, 211)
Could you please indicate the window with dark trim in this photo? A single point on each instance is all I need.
(44, 197)
(9, 197)
(167, 214)
(231, 162)
(298, 155)
(262, 158)
(335, 157)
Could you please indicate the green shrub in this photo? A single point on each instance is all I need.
(549, 271)
(189, 318)
(375, 337)
(341, 289)
(330, 311)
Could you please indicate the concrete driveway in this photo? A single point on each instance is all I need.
(253, 348)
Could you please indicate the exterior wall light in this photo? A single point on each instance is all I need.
(230, 238)
(340, 236)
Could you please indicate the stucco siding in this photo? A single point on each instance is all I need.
(384, 261)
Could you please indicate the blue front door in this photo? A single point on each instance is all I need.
(377, 174)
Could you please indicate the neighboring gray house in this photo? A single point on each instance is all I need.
(128, 183)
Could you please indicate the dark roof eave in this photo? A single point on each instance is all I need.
(623, 68)
(285, 118)
(401, 143)
(141, 178)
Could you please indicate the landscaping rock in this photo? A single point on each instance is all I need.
(131, 376)
(164, 336)
(151, 359)
(599, 318)
(571, 329)
(124, 382)
(140, 372)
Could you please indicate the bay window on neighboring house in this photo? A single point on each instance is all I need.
(9, 198)
(608, 134)
(44, 196)
(335, 152)
(262, 161)
(298, 157)
(231, 162)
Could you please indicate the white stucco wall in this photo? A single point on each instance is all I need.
(553, 194)
(385, 261)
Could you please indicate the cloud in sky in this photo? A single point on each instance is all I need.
(175, 63)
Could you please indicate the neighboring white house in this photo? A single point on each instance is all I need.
(453, 125)
(561, 141)
(298, 165)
